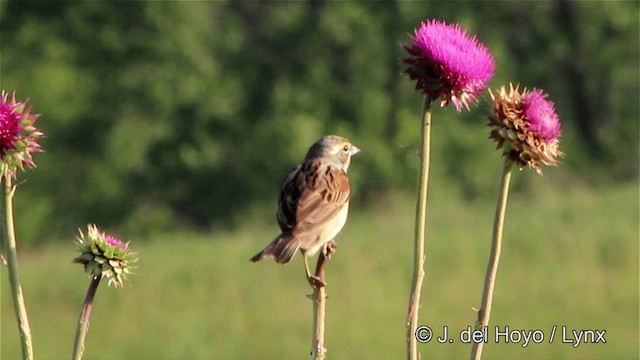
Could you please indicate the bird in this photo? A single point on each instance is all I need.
(313, 204)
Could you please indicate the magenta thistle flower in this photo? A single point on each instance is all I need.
(526, 126)
(448, 64)
(104, 254)
(541, 115)
(18, 134)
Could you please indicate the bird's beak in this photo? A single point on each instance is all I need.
(354, 150)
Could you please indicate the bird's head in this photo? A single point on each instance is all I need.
(333, 148)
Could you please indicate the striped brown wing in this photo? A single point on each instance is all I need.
(311, 195)
(289, 194)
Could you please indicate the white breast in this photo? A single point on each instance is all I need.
(329, 231)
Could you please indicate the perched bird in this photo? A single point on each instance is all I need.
(313, 203)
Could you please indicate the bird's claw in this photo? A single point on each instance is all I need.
(316, 282)
(329, 248)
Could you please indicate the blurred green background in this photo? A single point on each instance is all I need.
(171, 124)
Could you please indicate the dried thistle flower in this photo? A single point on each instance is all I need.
(526, 126)
(105, 255)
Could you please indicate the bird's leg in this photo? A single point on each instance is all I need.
(314, 281)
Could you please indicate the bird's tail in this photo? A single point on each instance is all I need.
(282, 249)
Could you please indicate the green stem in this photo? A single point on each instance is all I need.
(9, 239)
(421, 219)
(492, 267)
(83, 322)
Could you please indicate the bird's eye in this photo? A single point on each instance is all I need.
(345, 148)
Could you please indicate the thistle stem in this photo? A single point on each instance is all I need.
(319, 297)
(421, 219)
(83, 322)
(492, 267)
(9, 239)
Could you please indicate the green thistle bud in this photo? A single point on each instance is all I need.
(103, 254)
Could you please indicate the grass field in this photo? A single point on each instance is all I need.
(570, 258)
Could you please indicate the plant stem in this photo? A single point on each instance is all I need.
(319, 297)
(9, 239)
(83, 322)
(421, 219)
(492, 267)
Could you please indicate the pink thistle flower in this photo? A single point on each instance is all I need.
(448, 64)
(18, 135)
(115, 242)
(526, 126)
(541, 115)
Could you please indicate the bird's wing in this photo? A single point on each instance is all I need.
(288, 200)
(310, 198)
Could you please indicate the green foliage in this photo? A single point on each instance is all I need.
(570, 258)
(160, 115)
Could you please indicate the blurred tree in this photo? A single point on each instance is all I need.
(160, 115)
